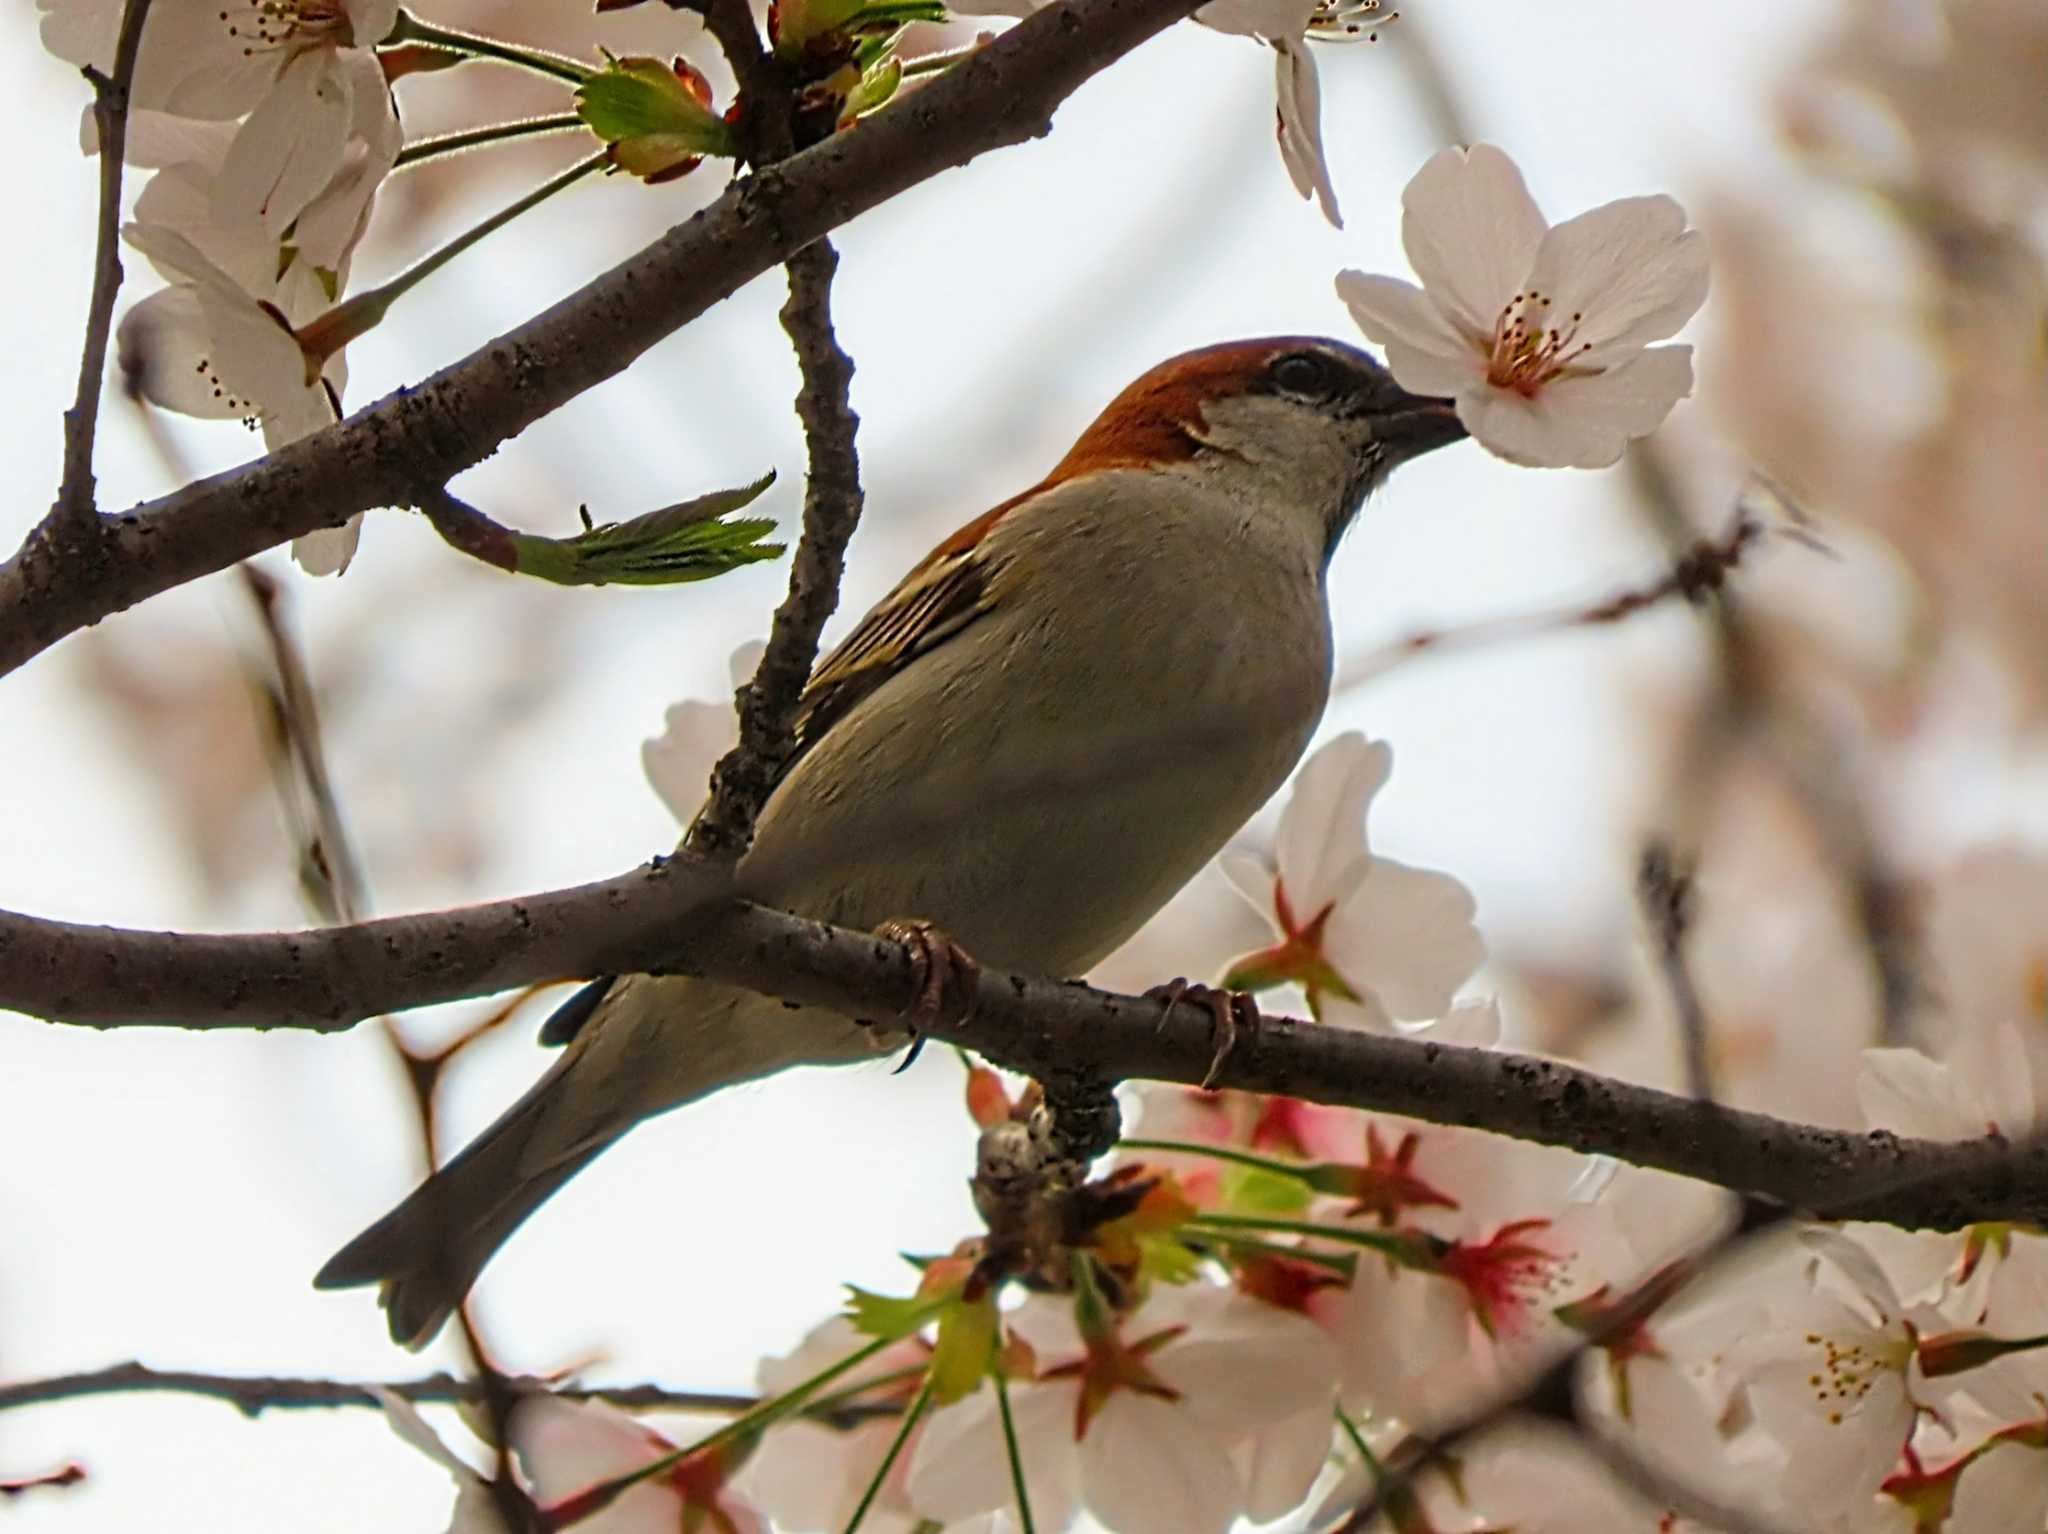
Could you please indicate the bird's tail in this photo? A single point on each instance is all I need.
(425, 1254)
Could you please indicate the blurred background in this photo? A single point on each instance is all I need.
(1867, 723)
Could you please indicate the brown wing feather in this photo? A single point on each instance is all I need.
(937, 600)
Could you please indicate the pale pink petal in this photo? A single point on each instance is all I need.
(1471, 231)
(1147, 1469)
(1631, 398)
(1275, 21)
(476, 1511)
(328, 551)
(1249, 1366)
(1407, 933)
(678, 761)
(1904, 1091)
(163, 343)
(2004, 1490)
(961, 1467)
(1580, 422)
(289, 148)
(1425, 352)
(371, 21)
(1300, 100)
(1321, 847)
(1623, 275)
(1473, 1024)
(1280, 1466)
(565, 1446)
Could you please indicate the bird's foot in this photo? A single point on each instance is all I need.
(1232, 1015)
(938, 965)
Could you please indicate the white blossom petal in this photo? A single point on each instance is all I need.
(328, 551)
(1143, 1471)
(1280, 1466)
(1471, 231)
(1321, 845)
(1249, 1366)
(1580, 422)
(163, 344)
(1299, 95)
(1625, 274)
(289, 148)
(961, 1468)
(1408, 933)
(1425, 352)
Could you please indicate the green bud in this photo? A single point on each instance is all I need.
(656, 117)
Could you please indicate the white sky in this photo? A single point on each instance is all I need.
(169, 1197)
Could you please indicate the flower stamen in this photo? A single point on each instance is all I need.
(1528, 351)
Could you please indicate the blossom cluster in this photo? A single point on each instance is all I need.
(270, 126)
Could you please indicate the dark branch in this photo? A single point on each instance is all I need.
(743, 780)
(1698, 573)
(252, 1396)
(1664, 886)
(744, 777)
(75, 499)
(668, 918)
(421, 437)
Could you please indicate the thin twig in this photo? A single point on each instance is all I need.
(254, 1395)
(768, 702)
(743, 779)
(329, 870)
(331, 874)
(76, 499)
(1699, 573)
(1664, 886)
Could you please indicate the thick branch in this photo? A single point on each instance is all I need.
(419, 438)
(667, 917)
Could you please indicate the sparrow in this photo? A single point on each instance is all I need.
(1046, 729)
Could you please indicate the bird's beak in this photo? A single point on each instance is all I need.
(1416, 424)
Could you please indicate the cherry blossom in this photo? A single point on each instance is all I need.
(475, 1511)
(1831, 1376)
(211, 347)
(1285, 24)
(1540, 334)
(1368, 939)
(303, 72)
(810, 1476)
(1169, 1421)
(1518, 1479)
(694, 735)
(566, 1448)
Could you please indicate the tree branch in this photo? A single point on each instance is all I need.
(418, 438)
(254, 1395)
(745, 776)
(668, 918)
(75, 499)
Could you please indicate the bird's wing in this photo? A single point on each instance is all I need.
(945, 593)
(938, 599)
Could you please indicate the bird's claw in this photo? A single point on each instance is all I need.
(1232, 1015)
(937, 965)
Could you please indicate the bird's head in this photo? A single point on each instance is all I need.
(1309, 424)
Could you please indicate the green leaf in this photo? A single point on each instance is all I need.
(656, 116)
(691, 541)
(1254, 1190)
(966, 1347)
(885, 1315)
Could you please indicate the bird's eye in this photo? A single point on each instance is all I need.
(1306, 374)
